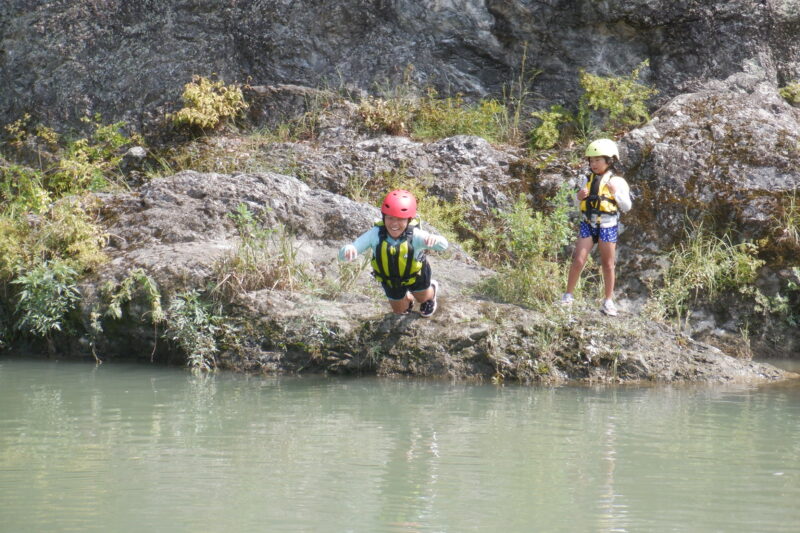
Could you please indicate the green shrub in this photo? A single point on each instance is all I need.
(91, 163)
(65, 166)
(66, 232)
(123, 292)
(209, 103)
(528, 246)
(547, 134)
(48, 292)
(191, 324)
(700, 269)
(70, 232)
(621, 98)
(791, 93)
(22, 190)
(525, 234)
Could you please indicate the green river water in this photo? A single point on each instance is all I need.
(137, 448)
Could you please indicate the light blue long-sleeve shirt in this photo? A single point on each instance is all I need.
(370, 239)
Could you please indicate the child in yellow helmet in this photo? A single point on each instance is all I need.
(399, 262)
(603, 195)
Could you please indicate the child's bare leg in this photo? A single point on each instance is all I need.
(607, 260)
(400, 307)
(423, 296)
(582, 248)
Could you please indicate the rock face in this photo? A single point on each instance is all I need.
(728, 151)
(725, 157)
(63, 60)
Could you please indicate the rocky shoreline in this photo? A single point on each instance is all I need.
(176, 227)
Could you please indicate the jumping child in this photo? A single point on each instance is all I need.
(398, 255)
(603, 195)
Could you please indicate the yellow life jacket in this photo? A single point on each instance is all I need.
(395, 265)
(600, 200)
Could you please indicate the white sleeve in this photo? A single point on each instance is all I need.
(622, 194)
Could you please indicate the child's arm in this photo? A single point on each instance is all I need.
(367, 240)
(622, 193)
(583, 190)
(424, 240)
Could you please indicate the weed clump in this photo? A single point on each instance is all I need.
(621, 99)
(207, 104)
(699, 269)
(266, 258)
(528, 246)
(791, 93)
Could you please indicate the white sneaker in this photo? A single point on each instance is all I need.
(567, 299)
(609, 308)
(427, 308)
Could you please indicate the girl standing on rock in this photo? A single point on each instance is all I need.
(603, 195)
(398, 255)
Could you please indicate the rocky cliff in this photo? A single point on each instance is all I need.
(61, 60)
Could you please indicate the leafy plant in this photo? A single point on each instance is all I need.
(438, 118)
(47, 293)
(623, 99)
(525, 234)
(191, 324)
(547, 133)
(791, 93)
(209, 103)
(136, 280)
(528, 246)
(65, 232)
(91, 162)
(22, 189)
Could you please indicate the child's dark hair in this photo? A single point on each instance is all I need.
(614, 165)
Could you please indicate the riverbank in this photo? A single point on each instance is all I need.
(175, 231)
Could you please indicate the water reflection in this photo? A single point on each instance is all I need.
(131, 448)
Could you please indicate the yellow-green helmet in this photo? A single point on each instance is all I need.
(601, 147)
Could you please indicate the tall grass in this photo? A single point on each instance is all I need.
(266, 258)
(701, 268)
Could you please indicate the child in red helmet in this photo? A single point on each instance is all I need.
(398, 254)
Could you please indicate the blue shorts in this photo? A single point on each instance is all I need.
(596, 232)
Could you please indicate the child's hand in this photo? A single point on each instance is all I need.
(583, 193)
(430, 240)
(350, 253)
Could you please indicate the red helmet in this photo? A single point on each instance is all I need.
(400, 204)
